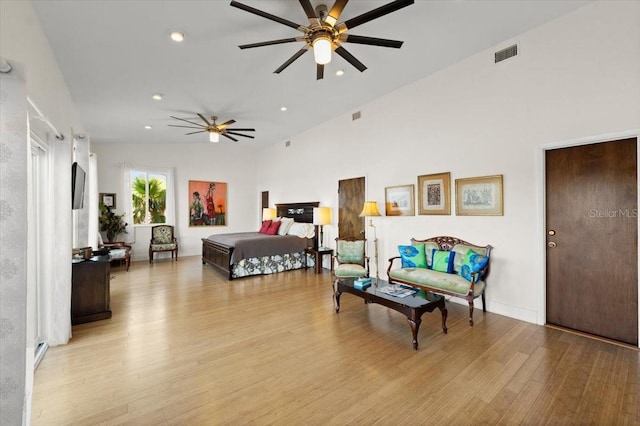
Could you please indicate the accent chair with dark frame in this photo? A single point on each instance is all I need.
(162, 239)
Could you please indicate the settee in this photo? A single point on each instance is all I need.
(444, 265)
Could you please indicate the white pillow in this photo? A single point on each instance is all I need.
(302, 230)
(285, 225)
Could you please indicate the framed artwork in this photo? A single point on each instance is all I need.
(479, 196)
(207, 203)
(398, 200)
(434, 193)
(108, 199)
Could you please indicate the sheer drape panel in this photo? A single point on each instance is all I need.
(127, 208)
(171, 200)
(93, 201)
(13, 245)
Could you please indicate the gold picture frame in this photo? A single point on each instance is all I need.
(108, 199)
(434, 194)
(480, 196)
(398, 200)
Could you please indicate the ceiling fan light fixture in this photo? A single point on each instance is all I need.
(322, 49)
(214, 137)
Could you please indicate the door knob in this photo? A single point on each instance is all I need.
(551, 232)
(552, 244)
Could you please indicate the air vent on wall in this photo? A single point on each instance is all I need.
(506, 53)
(355, 116)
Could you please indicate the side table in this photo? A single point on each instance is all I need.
(318, 256)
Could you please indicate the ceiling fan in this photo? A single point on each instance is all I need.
(214, 130)
(324, 34)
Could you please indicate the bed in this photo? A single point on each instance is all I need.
(251, 253)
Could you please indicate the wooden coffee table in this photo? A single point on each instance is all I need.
(411, 306)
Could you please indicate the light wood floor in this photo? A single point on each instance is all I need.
(187, 347)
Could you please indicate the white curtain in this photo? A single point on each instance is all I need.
(94, 210)
(60, 227)
(14, 157)
(171, 200)
(130, 236)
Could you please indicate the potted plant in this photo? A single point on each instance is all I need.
(111, 223)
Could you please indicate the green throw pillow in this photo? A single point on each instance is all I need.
(442, 260)
(413, 256)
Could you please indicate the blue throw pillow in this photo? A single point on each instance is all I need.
(413, 256)
(442, 260)
(472, 262)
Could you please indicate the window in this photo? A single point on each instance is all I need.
(148, 196)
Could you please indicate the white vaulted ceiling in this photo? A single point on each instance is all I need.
(116, 54)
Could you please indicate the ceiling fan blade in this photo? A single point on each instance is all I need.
(319, 71)
(241, 130)
(269, 43)
(308, 10)
(377, 13)
(350, 58)
(291, 59)
(335, 12)
(268, 16)
(240, 134)
(373, 41)
(225, 124)
(186, 127)
(204, 119)
(190, 122)
(227, 136)
(193, 133)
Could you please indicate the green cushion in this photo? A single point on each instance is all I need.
(435, 280)
(350, 251)
(442, 261)
(349, 270)
(413, 256)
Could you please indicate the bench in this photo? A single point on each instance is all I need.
(443, 265)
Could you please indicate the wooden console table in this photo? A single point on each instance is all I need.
(90, 291)
(411, 306)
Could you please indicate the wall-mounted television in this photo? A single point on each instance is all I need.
(78, 177)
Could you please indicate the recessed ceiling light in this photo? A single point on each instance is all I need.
(157, 97)
(147, 127)
(340, 72)
(177, 36)
(283, 108)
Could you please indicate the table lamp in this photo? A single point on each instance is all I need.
(321, 217)
(268, 214)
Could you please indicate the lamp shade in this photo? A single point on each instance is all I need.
(370, 208)
(268, 214)
(322, 49)
(321, 215)
(214, 137)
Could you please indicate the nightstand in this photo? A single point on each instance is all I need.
(318, 256)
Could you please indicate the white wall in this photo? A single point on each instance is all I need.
(576, 77)
(230, 163)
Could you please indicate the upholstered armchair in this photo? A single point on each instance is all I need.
(350, 260)
(118, 251)
(162, 239)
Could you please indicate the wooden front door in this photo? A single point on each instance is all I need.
(592, 239)
(350, 202)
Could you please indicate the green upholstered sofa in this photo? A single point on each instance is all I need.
(466, 276)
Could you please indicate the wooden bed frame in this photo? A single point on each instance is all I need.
(219, 255)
